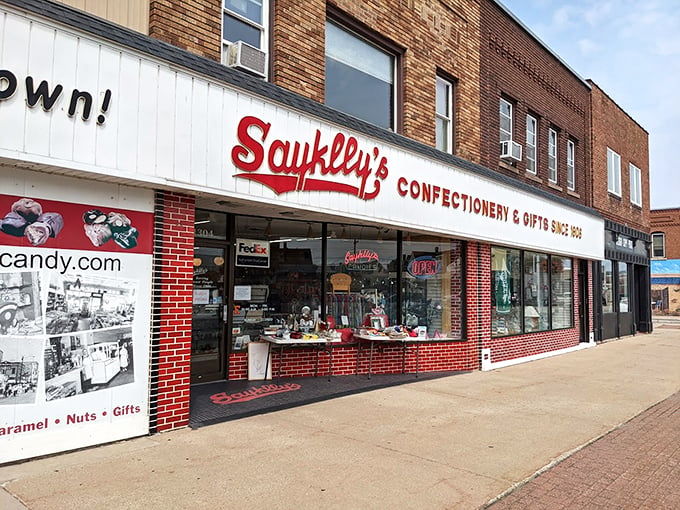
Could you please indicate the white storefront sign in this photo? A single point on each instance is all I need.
(81, 104)
(75, 294)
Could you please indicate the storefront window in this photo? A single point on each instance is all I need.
(527, 293)
(210, 225)
(431, 283)
(607, 287)
(506, 306)
(277, 272)
(536, 292)
(562, 298)
(361, 276)
(623, 287)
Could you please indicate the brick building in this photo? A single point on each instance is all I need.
(665, 265)
(220, 174)
(535, 130)
(620, 192)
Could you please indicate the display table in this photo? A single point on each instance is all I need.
(319, 344)
(382, 340)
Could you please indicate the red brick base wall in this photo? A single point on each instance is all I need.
(436, 356)
(171, 339)
(521, 346)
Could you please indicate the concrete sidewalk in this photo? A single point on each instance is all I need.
(455, 442)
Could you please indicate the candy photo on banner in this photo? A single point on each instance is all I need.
(32, 222)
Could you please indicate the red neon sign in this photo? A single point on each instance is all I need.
(362, 256)
(423, 267)
(292, 163)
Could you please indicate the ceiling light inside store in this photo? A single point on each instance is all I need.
(310, 234)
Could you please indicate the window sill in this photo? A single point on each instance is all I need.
(533, 177)
(508, 166)
(614, 196)
(573, 194)
(555, 186)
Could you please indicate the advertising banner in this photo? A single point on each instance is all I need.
(75, 288)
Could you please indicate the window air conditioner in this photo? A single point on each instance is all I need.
(511, 150)
(246, 57)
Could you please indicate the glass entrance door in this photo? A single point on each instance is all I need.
(208, 357)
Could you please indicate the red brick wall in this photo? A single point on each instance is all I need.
(435, 356)
(520, 346)
(668, 222)
(173, 280)
(516, 67)
(613, 128)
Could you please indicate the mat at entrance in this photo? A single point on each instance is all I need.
(230, 400)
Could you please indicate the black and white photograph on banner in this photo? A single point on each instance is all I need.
(83, 302)
(88, 361)
(20, 307)
(19, 369)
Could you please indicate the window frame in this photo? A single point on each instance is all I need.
(635, 184)
(552, 155)
(532, 142)
(510, 107)
(446, 117)
(613, 174)
(571, 165)
(261, 27)
(523, 302)
(662, 235)
(353, 28)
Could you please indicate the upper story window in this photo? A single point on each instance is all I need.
(505, 120)
(571, 165)
(635, 185)
(244, 20)
(659, 245)
(444, 115)
(613, 172)
(531, 144)
(360, 77)
(552, 155)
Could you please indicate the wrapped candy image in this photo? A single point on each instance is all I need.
(100, 228)
(27, 219)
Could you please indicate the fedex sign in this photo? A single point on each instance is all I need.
(252, 253)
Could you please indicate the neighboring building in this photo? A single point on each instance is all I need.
(535, 130)
(178, 193)
(665, 230)
(620, 192)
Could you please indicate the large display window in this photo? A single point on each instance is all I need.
(369, 277)
(506, 302)
(536, 292)
(431, 283)
(530, 292)
(277, 272)
(361, 278)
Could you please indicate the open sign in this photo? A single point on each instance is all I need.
(423, 267)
